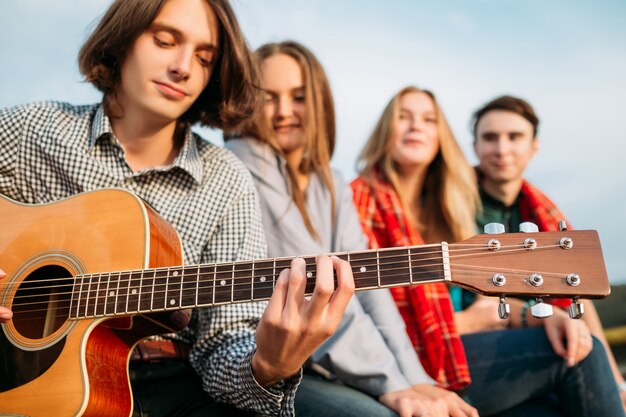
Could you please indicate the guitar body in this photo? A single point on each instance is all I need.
(51, 366)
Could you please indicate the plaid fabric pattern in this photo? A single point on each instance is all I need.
(536, 207)
(426, 309)
(49, 151)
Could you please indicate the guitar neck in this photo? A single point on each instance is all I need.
(162, 289)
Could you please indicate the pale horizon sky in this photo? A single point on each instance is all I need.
(567, 58)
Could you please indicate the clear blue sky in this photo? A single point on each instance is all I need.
(567, 57)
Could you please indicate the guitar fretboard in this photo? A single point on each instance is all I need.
(175, 288)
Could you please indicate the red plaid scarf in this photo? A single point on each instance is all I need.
(426, 309)
(536, 207)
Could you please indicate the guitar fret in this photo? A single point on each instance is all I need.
(378, 268)
(117, 292)
(189, 287)
(364, 270)
(242, 281)
(80, 296)
(106, 296)
(134, 288)
(174, 284)
(90, 296)
(197, 285)
(311, 269)
(395, 268)
(159, 293)
(96, 303)
(102, 294)
(274, 273)
(182, 279)
(426, 263)
(262, 278)
(232, 285)
(223, 283)
(205, 285)
(167, 288)
(408, 250)
(252, 283)
(122, 296)
(146, 292)
(214, 279)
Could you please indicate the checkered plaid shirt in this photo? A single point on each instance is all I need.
(49, 151)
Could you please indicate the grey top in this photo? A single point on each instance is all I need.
(371, 350)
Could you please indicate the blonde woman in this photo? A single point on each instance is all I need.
(307, 209)
(415, 186)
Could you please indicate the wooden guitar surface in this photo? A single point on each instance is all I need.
(51, 366)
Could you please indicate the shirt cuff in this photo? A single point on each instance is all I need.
(275, 400)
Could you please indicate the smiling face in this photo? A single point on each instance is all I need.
(415, 137)
(169, 64)
(283, 83)
(505, 144)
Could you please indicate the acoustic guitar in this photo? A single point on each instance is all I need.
(66, 351)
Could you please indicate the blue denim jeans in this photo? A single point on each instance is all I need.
(516, 373)
(319, 397)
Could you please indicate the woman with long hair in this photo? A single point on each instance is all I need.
(307, 209)
(415, 187)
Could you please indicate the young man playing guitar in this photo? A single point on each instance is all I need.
(505, 141)
(163, 66)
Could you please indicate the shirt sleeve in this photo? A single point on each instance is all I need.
(370, 350)
(11, 131)
(381, 307)
(225, 335)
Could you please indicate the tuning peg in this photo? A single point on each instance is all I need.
(541, 310)
(576, 309)
(562, 225)
(504, 309)
(528, 227)
(494, 228)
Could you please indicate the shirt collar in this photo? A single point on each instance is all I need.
(100, 126)
(188, 159)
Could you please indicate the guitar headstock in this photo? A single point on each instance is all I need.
(564, 264)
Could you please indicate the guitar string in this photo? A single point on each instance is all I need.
(231, 266)
(125, 299)
(151, 281)
(103, 312)
(178, 289)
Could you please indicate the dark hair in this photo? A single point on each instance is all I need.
(508, 103)
(229, 99)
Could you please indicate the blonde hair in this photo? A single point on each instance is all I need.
(319, 124)
(449, 199)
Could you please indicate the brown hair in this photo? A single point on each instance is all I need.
(319, 123)
(508, 103)
(229, 99)
(449, 197)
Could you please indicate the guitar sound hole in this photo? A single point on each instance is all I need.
(42, 303)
